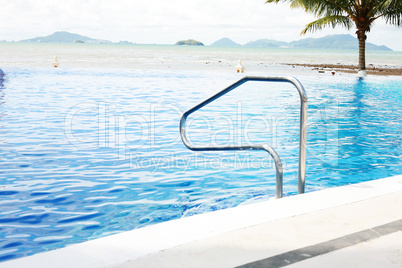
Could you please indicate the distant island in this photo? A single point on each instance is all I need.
(66, 37)
(337, 41)
(189, 42)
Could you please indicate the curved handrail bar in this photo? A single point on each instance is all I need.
(265, 147)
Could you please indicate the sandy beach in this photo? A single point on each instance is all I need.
(371, 69)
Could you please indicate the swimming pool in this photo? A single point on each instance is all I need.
(91, 152)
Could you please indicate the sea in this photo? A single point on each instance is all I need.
(135, 56)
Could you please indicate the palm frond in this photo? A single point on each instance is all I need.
(392, 2)
(394, 18)
(332, 21)
(356, 10)
(390, 10)
(393, 12)
(320, 8)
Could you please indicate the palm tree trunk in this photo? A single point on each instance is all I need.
(361, 35)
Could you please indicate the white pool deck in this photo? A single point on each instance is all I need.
(358, 225)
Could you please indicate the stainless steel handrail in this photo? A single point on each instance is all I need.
(265, 147)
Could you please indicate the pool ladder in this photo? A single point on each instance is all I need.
(265, 147)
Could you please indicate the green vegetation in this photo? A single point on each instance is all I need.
(189, 42)
(348, 13)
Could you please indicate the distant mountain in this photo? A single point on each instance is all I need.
(337, 41)
(189, 42)
(266, 43)
(65, 37)
(225, 42)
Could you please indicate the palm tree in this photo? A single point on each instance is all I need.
(349, 13)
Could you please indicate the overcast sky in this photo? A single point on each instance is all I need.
(167, 21)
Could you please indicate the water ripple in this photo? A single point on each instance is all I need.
(88, 153)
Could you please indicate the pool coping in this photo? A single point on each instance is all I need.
(117, 249)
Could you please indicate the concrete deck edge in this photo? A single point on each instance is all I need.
(116, 249)
(312, 251)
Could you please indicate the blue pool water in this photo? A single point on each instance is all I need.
(87, 153)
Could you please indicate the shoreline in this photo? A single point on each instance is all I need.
(371, 69)
(252, 68)
(155, 57)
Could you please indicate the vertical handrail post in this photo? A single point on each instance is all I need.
(302, 147)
